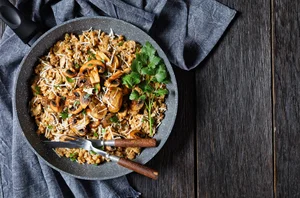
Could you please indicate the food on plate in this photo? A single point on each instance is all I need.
(99, 86)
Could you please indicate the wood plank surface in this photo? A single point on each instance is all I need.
(175, 162)
(287, 92)
(234, 109)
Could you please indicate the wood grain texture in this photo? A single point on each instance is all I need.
(287, 92)
(234, 109)
(175, 162)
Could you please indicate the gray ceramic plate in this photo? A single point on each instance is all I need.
(23, 95)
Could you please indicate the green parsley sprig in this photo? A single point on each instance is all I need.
(147, 70)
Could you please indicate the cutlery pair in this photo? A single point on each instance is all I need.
(90, 145)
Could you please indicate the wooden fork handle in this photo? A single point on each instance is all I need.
(142, 142)
(139, 168)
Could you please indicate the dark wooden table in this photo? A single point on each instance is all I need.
(237, 132)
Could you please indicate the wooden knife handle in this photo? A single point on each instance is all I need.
(142, 142)
(139, 168)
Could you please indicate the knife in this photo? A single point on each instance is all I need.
(142, 142)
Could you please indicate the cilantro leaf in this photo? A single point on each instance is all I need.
(131, 79)
(148, 49)
(154, 60)
(134, 95)
(139, 62)
(143, 97)
(148, 71)
(161, 73)
(161, 92)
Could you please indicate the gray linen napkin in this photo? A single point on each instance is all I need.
(186, 30)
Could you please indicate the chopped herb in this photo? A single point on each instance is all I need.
(70, 80)
(77, 66)
(91, 55)
(73, 157)
(103, 130)
(90, 65)
(93, 152)
(83, 112)
(103, 61)
(50, 127)
(56, 86)
(121, 43)
(89, 58)
(64, 114)
(37, 89)
(96, 134)
(97, 88)
(63, 98)
(114, 119)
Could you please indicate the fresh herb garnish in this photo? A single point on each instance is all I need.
(103, 130)
(103, 61)
(134, 95)
(114, 119)
(73, 156)
(77, 66)
(37, 89)
(121, 43)
(70, 80)
(146, 70)
(93, 152)
(91, 55)
(97, 88)
(131, 79)
(96, 134)
(83, 112)
(50, 127)
(64, 114)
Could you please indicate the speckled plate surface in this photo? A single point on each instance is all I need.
(23, 94)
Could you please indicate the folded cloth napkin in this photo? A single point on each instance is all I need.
(186, 30)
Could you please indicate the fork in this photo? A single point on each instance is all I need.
(139, 168)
